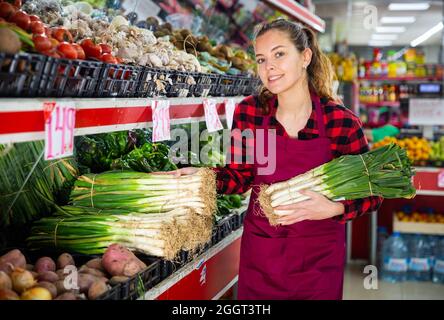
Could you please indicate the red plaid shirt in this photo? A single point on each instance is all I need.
(343, 128)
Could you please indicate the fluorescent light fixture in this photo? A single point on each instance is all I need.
(384, 36)
(380, 43)
(427, 35)
(409, 6)
(390, 29)
(398, 19)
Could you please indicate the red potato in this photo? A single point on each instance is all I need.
(48, 276)
(65, 259)
(85, 281)
(49, 286)
(94, 272)
(5, 281)
(95, 264)
(14, 259)
(97, 289)
(120, 261)
(44, 264)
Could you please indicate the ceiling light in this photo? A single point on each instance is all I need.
(398, 19)
(390, 29)
(427, 35)
(379, 43)
(409, 6)
(384, 36)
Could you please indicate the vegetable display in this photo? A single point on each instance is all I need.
(382, 172)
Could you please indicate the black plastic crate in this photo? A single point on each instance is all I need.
(182, 84)
(229, 86)
(154, 83)
(119, 80)
(21, 74)
(251, 86)
(138, 284)
(205, 84)
(70, 78)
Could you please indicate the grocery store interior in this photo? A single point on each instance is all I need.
(96, 94)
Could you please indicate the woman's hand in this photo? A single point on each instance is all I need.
(180, 172)
(318, 207)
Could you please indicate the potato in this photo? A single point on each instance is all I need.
(119, 261)
(34, 274)
(9, 41)
(48, 276)
(5, 281)
(60, 286)
(91, 271)
(49, 286)
(95, 264)
(65, 259)
(118, 279)
(44, 264)
(66, 296)
(97, 289)
(6, 294)
(13, 258)
(29, 267)
(85, 281)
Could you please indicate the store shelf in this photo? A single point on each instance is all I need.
(392, 104)
(430, 78)
(297, 11)
(22, 119)
(418, 227)
(426, 181)
(207, 277)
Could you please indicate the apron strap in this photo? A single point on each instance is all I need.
(319, 115)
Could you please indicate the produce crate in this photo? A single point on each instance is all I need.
(206, 83)
(154, 83)
(251, 86)
(70, 78)
(182, 84)
(119, 80)
(229, 86)
(21, 74)
(137, 285)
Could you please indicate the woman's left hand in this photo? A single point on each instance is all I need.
(318, 207)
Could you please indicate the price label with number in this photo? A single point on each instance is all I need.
(211, 116)
(60, 119)
(230, 106)
(161, 120)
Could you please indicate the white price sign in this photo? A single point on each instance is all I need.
(60, 119)
(441, 179)
(426, 112)
(230, 106)
(211, 116)
(161, 120)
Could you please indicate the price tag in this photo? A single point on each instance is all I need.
(183, 93)
(426, 111)
(230, 106)
(211, 116)
(441, 179)
(205, 92)
(60, 119)
(161, 120)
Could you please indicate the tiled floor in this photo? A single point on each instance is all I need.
(354, 288)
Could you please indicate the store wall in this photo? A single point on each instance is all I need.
(431, 52)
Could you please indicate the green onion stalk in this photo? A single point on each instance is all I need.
(384, 172)
(91, 231)
(146, 192)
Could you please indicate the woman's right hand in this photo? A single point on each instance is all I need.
(180, 172)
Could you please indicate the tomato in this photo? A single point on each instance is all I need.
(21, 19)
(91, 50)
(80, 51)
(37, 27)
(6, 10)
(119, 60)
(108, 58)
(42, 43)
(33, 17)
(66, 50)
(51, 53)
(15, 3)
(105, 48)
(61, 34)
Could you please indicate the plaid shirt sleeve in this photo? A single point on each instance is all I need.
(237, 176)
(348, 138)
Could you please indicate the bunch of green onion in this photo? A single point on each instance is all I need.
(146, 192)
(91, 231)
(384, 172)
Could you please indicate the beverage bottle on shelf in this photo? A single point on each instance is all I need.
(382, 237)
(438, 267)
(395, 258)
(420, 259)
(392, 93)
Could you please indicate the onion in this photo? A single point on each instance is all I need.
(5, 281)
(119, 21)
(22, 279)
(6, 294)
(37, 293)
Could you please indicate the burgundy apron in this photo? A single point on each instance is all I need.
(305, 260)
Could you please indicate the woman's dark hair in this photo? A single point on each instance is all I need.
(320, 71)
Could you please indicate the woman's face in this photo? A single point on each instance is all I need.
(280, 64)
